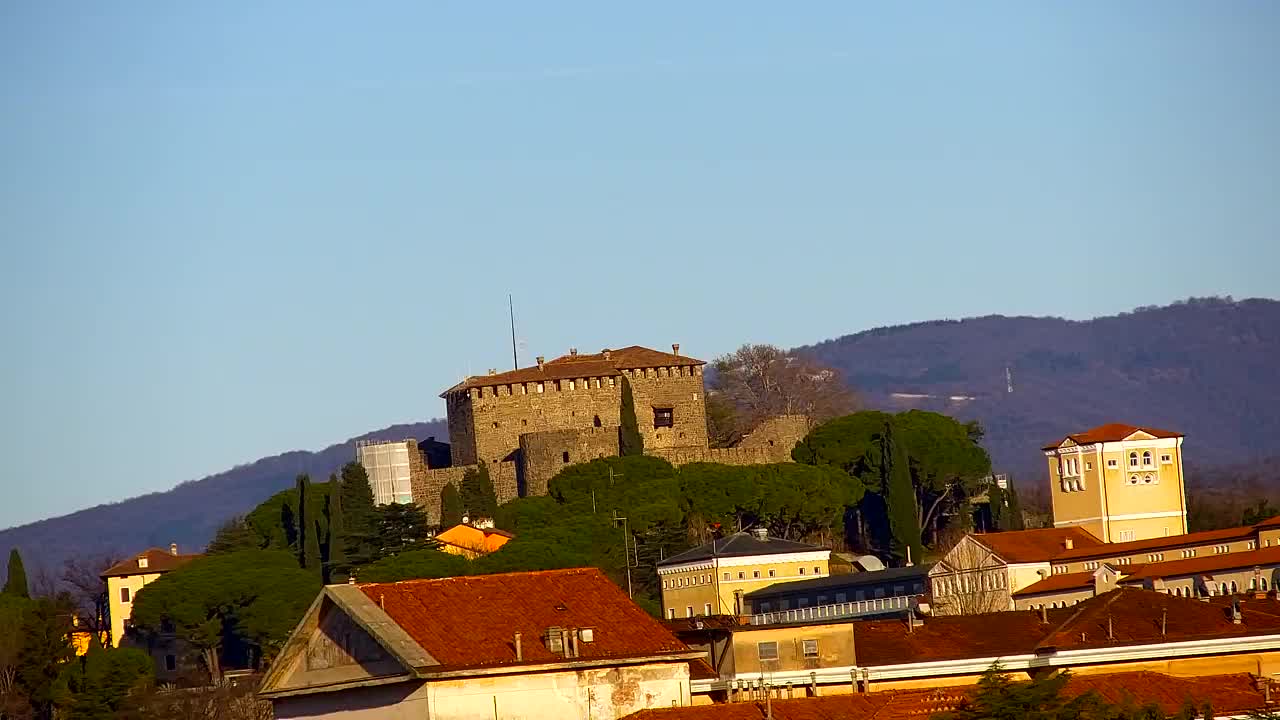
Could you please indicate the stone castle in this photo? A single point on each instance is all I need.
(527, 424)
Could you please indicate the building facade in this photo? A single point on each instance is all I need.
(127, 577)
(1119, 482)
(392, 466)
(713, 578)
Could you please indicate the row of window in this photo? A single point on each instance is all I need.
(784, 604)
(1127, 535)
(583, 383)
(968, 583)
(1070, 466)
(768, 651)
(688, 611)
(690, 581)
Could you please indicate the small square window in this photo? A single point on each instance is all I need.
(755, 573)
(1166, 459)
(663, 417)
(801, 571)
(817, 571)
(771, 573)
(170, 663)
(1111, 463)
(742, 575)
(726, 576)
(1088, 466)
(767, 650)
(810, 648)
(124, 594)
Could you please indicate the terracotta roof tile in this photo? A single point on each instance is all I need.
(950, 637)
(1039, 545)
(1059, 583)
(568, 367)
(158, 561)
(472, 621)
(1226, 693)
(1112, 432)
(1269, 523)
(1208, 564)
(1101, 550)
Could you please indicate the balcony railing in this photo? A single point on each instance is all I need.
(875, 606)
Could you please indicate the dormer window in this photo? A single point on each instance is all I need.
(142, 562)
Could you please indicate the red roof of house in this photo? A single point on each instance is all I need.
(158, 561)
(1112, 432)
(472, 621)
(1039, 545)
(1059, 583)
(949, 637)
(1235, 693)
(1208, 564)
(1172, 542)
(568, 367)
(1269, 523)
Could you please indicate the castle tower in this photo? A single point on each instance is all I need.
(1119, 482)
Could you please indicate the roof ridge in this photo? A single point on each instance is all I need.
(548, 571)
(1108, 599)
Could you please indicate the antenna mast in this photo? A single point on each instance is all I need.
(515, 359)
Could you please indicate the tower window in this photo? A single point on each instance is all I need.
(565, 456)
(595, 421)
(663, 417)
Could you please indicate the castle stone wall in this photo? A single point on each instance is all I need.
(678, 389)
(504, 413)
(546, 453)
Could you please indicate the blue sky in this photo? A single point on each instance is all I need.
(234, 229)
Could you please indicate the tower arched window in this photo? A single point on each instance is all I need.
(595, 421)
(1146, 458)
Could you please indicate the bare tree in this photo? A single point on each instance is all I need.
(221, 701)
(969, 580)
(82, 578)
(757, 382)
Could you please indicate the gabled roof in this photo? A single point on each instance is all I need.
(568, 367)
(1208, 564)
(1038, 545)
(469, 537)
(742, 544)
(1101, 550)
(471, 622)
(1062, 582)
(845, 580)
(1230, 694)
(158, 561)
(1112, 432)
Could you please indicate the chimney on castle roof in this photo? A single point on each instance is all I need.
(605, 352)
(493, 371)
(540, 361)
(173, 548)
(573, 352)
(1068, 544)
(675, 348)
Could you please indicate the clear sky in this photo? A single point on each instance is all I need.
(232, 229)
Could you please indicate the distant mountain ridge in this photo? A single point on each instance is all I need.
(191, 512)
(1207, 367)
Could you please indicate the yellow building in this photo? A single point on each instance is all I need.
(472, 540)
(712, 578)
(127, 577)
(1119, 482)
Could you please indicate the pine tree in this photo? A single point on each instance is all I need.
(16, 584)
(360, 522)
(302, 492)
(336, 554)
(478, 496)
(630, 441)
(450, 507)
(900, 499)
(234, 535)
(402, 527)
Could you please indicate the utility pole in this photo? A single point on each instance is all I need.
(625, 550)
(515, 359)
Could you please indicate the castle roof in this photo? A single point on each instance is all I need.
(1112, 432)
(606, 363)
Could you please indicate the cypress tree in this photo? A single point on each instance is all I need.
(1014, 511)
(311, 552)
(630, 441)
(478, 496)
(450, 507)
(16, 584)
(360, 523)
(336, 560)
(304, 520)
(900, 499)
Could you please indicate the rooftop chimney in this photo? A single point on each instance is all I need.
(762, 534)
(540, 361)
(519, 647)
(606, 353)
(1236, 616)
(573, 352)
(173, 548)
(1044, 614)
(675, 348)
(1068, 543)
(493, 371)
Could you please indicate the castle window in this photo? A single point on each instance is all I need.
(597, 383)
(595, 421)
(565, 456)
(1133, 459)
(610, 382)
(1146, 458)
(571, 385)
(524, 388)
(540, 388)
(495, 425)
(663, 417)
(558, 388)
(524, 421)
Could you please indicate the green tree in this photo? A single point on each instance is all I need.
(630, 441)
(900, 499)
(450, 506)
(312, 560)
(478, 496)
(415, 564)
(16, 582)
(45, 650)
(335, 548)
(234, 535)
(359, 517)
(98, 686)
(402, 527)
(248, 600)
(301, 491)
(999, 697)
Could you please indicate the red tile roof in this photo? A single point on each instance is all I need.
(1039, 545)
(567, 367)
(1208, 564)
(1112, 432)
(1269, 523)
(466, 622)
(1235, 694)
(950, 637)
(1059, 583)
(1172, 542)
(158, 561)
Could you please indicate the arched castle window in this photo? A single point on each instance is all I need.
(595, 421)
